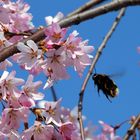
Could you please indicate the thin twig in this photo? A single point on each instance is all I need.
(100, 49)
(53, 93)
(131, 130)
(39, 35)
(119, 125)
(85, 7)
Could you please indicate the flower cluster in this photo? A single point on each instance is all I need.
(51, 120)
(55, 54)
(17, 105)
(15, 17)
(108, 133)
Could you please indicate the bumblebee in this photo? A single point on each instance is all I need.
(106, 85)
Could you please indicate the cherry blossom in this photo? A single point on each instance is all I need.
(108, 131)
(49, 19)
(55, 67)
(5, 64)
(66, 130)
(55, 33)
(77, 52)
(4, 15)
(51, 110)
(38, 131)
(9, 83)
(29, 54)
(29, 93)
(11, 100)
(18, 18)
(30, 88)
(11, 135)
(36, 69)
(12, 117)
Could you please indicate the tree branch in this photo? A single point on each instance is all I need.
(131, 130)
(115, 5)
(92, 13)
(100, 49)
(85, 7)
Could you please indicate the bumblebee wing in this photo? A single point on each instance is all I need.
(108, 98)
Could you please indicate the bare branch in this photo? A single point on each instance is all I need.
(85, 7)
(115, 5)
(92, 13)
(11, 50)
(131, 130)
(100, 49)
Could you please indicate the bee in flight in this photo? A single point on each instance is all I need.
(106, 85)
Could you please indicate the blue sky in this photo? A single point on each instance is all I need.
(119, 56)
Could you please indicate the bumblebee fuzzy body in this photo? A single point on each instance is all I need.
(106, 84)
